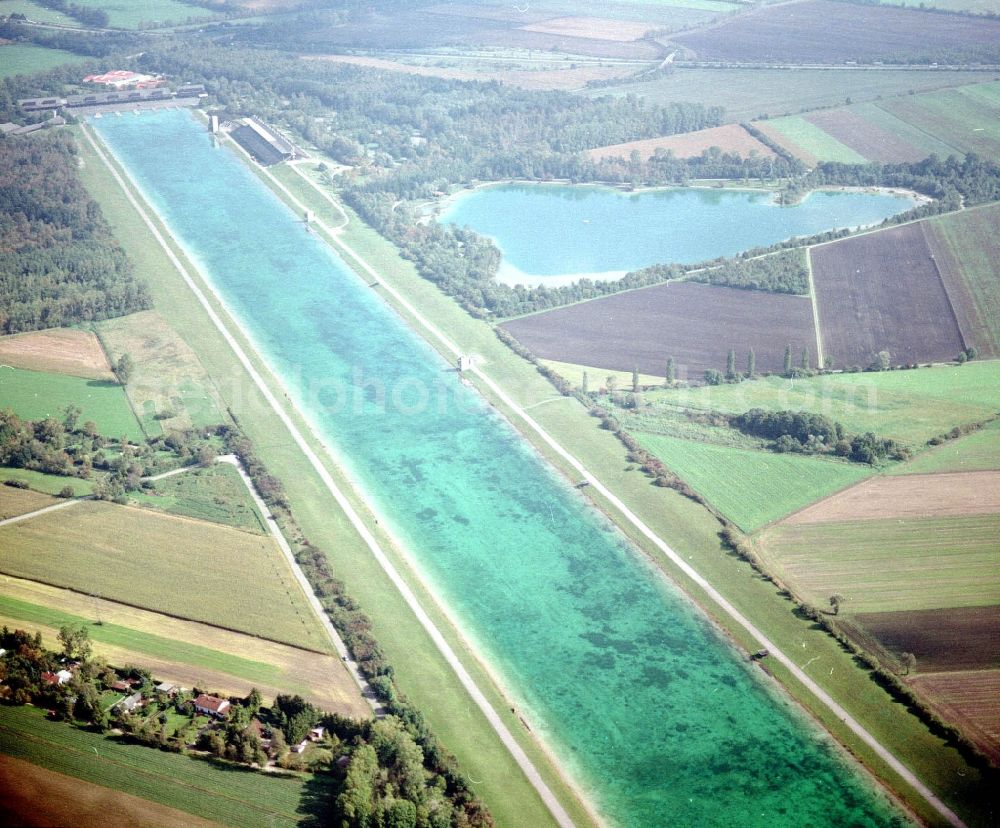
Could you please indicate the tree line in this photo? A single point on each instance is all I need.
(59, 263)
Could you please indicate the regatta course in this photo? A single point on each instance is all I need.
(646, 706)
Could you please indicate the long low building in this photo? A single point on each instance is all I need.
(265, 145)
(110, 99)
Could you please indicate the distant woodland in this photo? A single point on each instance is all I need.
(59, 263)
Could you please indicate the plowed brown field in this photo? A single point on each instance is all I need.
(909, 496)
(883, 292)
(969, 699)
(591, 27)
(943, 640)
(867, 139)
(731, 138)
(61, 350)
(696, 324)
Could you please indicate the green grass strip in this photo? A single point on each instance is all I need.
(224, 794)
(750, 487)
(142, 642)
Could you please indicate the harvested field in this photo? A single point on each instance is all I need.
(943, 640)
(731, 138)
(806, 140)
(34, 797)
(971, 700)
(59, 350)
(167, 378)
(176, 566)
(230, 663)
(967, 249)
(748, 94)
(543, 78)
(643, 328)
(15, 502)
(966, 122)
(883, 292)
(888, 565)
(584, 46)
(910, 496)
(868, 140)
(821, 31)
(591, 27)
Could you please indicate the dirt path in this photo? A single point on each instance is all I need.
(338, 643)
(39, 512)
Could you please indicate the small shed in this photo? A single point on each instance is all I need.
(130, 703)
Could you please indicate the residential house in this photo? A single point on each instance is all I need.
(211, 706)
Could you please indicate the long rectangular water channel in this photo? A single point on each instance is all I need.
(643, 702)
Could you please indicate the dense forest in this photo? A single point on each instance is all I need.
(59, 263)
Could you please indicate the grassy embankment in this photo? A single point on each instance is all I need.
(692, 532)
(421, 672)
(191, 569)
(243, 799)
(35, 395)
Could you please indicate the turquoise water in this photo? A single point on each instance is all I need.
(644, 703)
(550, 230)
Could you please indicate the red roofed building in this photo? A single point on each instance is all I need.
(122, 78)
(50, 678)
(211, 706)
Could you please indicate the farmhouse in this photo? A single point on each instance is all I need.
(55, 679)
(122, 685)
(168, 688)
(131, 703)
(211, 706)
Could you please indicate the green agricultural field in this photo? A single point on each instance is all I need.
(182, 652)
(26, 58)
(971, 238)
(979, 451)
(34, 11)
(48, 483)
(128, 14)
(892, 564)
(231, 797)
(191, 569)
(910, 406)
(216, 494)
(749, 487)
(814, 141)
(754, 93)
(36, 395)
(950, 116)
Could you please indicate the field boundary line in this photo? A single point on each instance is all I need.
(856, 727)
(310, 594)
(527, 766)
(42, 511)
(820, 358)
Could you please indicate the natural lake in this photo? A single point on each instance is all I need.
(553, 234)
(645, 704)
